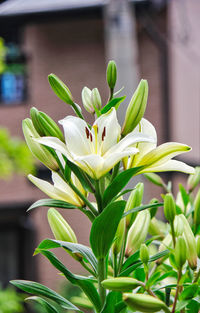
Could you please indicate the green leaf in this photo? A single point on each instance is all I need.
(52, 203)
(41, 290)
(83, 282)
(104, 228)
(118, 183)
(189, 292)
(142, 207)
(115, 102)
(153, 278)
(113, 299)
(193, 306)
(184, 195)
(49, 308)
(85, 251)
(181, 305)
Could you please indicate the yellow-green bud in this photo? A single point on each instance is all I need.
(197, 209)
(169, 207)
(111, 74)
(121, 283)
(198, 247)
(134, 200)
(194, 179)
(144, 253)
(136, 108)
(144, 303)
(154, 178)
(138, 232)
(190, 242)
(44, 124)
(38, 150)
(119, 236)
(178, 226)
(96, 98)
(60, 89)
(82, 302)
(156, 227)
(87, 100)
(180, 252)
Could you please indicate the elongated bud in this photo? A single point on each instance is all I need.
(138, 232)
(169, 207)
(37, 149)
(153, 210)
(111, 74)
(144, 303)
(119, 236)
(194, 179)
(136, 108)
(87, 100)
(190, 242)
(165, 244)
(197, 209)
(154, 178)
(157, 228)
(121, 283)
(144, 253)
(178, 226)
(180, 252)
(96, 98)
(60, 89)
(198, 247)
(134, 200)
(44, 124)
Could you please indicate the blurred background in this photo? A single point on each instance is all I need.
(157, 40)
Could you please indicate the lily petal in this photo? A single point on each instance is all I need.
(56, 144)
(172, 165)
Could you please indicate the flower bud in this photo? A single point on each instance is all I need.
(82, 302)
(38, 150)
(44, 125)
(136, 108)
(119, 236)
(144, 303)
(134, 200)
(194, 179)
(198, 247)
(180, 252)
(178, 226)
(121, 283)
(138, 231)
(169, 207)
(87, 100)
(60, 89)
(165, 244)
(144, 253)
(197, 209)
(96, 98)
(154, 178)
(111, 74)
(156, 227)
(190, 242)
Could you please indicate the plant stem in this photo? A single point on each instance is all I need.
(115, 171)
(173, 234)
(115, 264)
(98, 196)
(87, 268)
(101, 277)
(122, 253)
(88, 213)
(177, 290)
(77, 111)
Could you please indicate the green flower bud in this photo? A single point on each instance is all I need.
(134, 200)
(165, 244)
(194, 179)
(169, 207)
(136, 108)
(38, 150)
(138, 232)
(111, 74)
(96, 98)
(178, 226)
(44, 125)
(60, 89)
(87, 100)
(190, 242)
(144, 253)
(144, 303)
(197, 209)
(154, 178)
(121, 283)
(157, 228)
(180, 252)
(198, 247)
(119, 236)
(82, 302)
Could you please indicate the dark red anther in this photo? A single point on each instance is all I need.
(103, 134)
(87, 132)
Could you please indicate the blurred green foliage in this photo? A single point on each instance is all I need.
(11, 301)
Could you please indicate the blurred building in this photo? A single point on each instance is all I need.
(68, 38)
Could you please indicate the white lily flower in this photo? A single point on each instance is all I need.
(157, 159)
(98, 150)
(60, 190)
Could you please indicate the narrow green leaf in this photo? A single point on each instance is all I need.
(85, 251)
(41, 290)
(83, 282)
(184, 195)
(142, 207)
(181, 305)
(49, 308)
(118, 183)
(104, 228)
(52, 203)
(112, 299)
(189, 292)
(115, 102)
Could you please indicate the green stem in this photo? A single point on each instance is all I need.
(115, 264)
(77, 111)
(177, 290)
(87, 268)
(115, 171)
(122, 252)
(111, 93)
(88, 213)
(173, 234)
(98, 196)
(101, 277)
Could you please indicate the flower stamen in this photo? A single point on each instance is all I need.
(95, 127)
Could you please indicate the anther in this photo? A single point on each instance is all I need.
(87, 132)
(103, 134)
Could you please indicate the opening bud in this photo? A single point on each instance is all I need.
(178, 226)
(169, 207)
(87, 100)
(119, 236)
(134, 200)
(180, 252)
(60, 89)
(96, 98)
(111, 74)
(136, 108)
(144, 253)
(121, 283)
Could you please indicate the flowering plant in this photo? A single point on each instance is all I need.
(136, 261)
